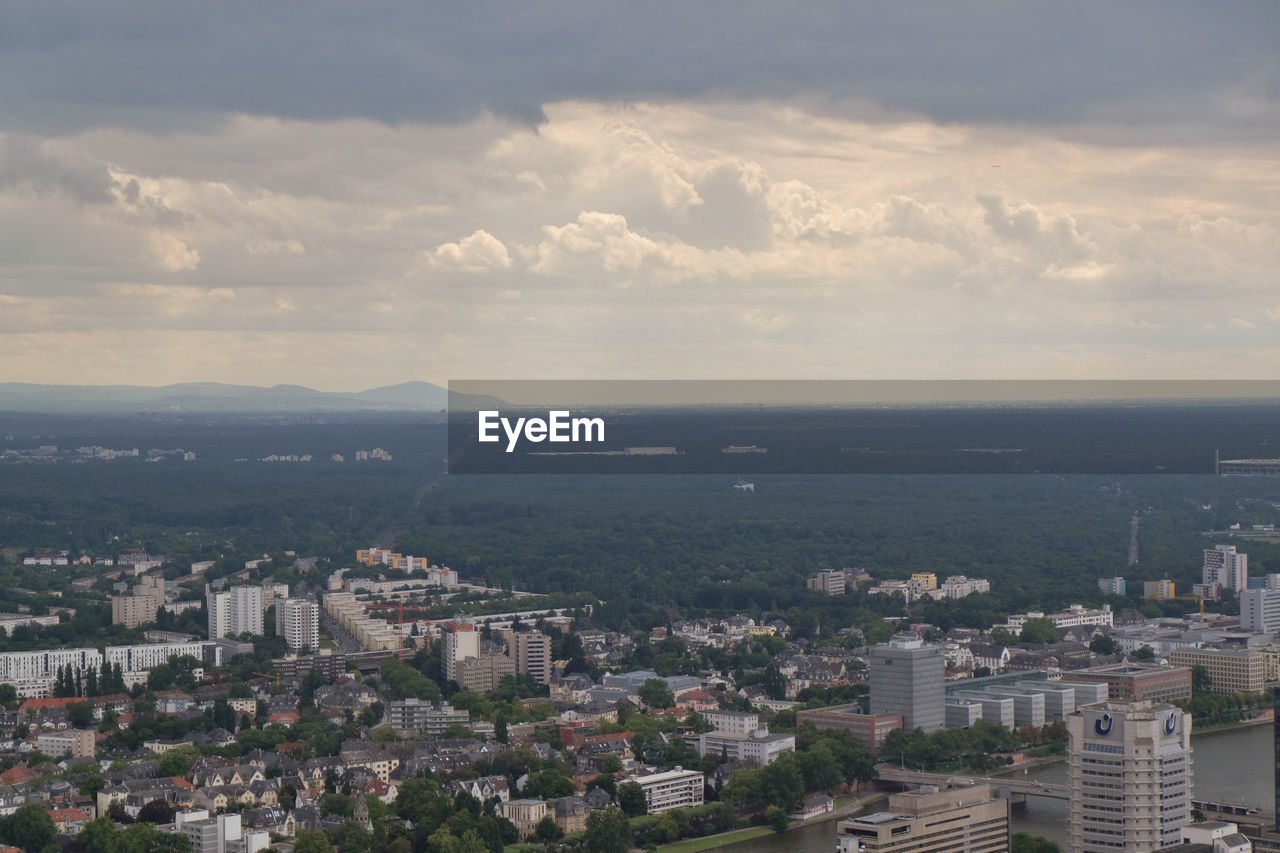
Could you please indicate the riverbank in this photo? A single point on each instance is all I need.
(844, 806)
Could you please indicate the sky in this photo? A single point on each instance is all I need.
(350, 195)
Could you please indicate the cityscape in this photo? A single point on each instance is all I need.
(656, 427)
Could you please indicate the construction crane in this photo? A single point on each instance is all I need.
(1199, 598)
(274, 676)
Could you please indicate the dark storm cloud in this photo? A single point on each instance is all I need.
(70, 65)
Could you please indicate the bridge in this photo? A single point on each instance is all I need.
(1000, 785)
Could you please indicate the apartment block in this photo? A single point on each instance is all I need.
(532, 653)
(298, 622)
(1226, 568)
(461, 641)
(1112, 586)
(738, 722)
(484, 673)
(674, 789)
(830, 582)
(235, 611)
(416, 715)
(1158, 590)
(77, 743)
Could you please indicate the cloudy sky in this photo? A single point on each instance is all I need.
(348, 195)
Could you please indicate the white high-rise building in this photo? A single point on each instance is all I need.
(1260, 610)
(461, 641)
(1227, 568)
(298, 621)
(235, 611)
(1130, 777)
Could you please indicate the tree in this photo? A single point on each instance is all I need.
(612, 764)
(655, 693)
(30, 828)
(547, 830)
(776, 818)
(1201, 681)
(1143, 653)
(608, 831)
(80, 715)
(1039, 630)
(156, 811)
(631, 799)
(1003, 637)
(1023, 842)
(311, 841)
(1103, 645)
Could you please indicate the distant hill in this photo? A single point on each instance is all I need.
(218, 397)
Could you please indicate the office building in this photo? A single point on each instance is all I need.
(1130, 777)
(961, 819)
(871, 729)
(675, 789)
(1260, 610)
(907, 678)
(1072, 617)
(77, 743)
(1112, 586)
(298, 622)
(741, 722)
(235, 611)
(532, 653)
(460, 641)
(1229, 670)
(1226, 568)
(1129, 682)
(830, 582)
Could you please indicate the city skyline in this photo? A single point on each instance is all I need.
(1004, 191)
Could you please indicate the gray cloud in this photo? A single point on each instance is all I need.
(1200, 68)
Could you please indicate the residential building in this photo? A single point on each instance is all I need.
(525, 814)
(929, 820)
(417, 715)
(461, 641)
(1227, 568)
(1112, 586)
(235, 611)
(141, 607)
(1229, 670)
(758, 746)
(532, 653)
(674, 789)
(1260, 610)
(926, 580)
(1158, 590)
(1214, 836)
(33, 673)
(830, 582)
(77, 743)
(1128, 682)
(907, 679)
(871, 729)
(1129, 772)
(484, 674)
(960, 586)
(298, 622)
(736, 722)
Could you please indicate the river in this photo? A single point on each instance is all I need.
(1233, 766)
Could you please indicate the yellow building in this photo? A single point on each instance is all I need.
(927, 580)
